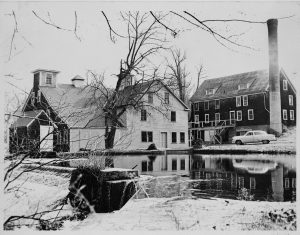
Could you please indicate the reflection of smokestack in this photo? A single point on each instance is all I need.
(274, 79)
(277, 184)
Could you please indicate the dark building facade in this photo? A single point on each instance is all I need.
(49, 112)
(224, 177)
(232, 105)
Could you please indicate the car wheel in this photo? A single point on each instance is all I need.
(265, 141)
(238, 142)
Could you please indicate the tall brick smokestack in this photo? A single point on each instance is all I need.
(274, 78)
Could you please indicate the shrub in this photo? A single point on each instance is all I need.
(244, 194)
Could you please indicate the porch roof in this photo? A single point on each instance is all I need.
(26, 118)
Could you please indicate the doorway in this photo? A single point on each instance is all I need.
(46, 138)
(164, 139)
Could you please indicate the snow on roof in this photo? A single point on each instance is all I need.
(228, 86)
(26, 118)
(78, 107)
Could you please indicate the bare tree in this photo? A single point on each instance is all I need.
(145, 39)
(200, 75)
(177, 74)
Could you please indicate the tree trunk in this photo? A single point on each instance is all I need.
(110, 137)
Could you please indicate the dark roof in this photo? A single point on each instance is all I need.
(228, 86)
(76, 106)
(27, 118)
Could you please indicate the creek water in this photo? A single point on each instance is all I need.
(262, 176)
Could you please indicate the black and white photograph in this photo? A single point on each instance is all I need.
(129, 116)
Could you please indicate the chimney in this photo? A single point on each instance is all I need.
(77, 81)
(274, 79)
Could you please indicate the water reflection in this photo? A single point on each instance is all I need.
(223, 176)
(156, 165)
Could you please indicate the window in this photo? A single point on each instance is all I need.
(32, 98)
(284, 85)
(182, 164)
(291, 101)
(174, 137)
(292, 117)
(196, 105)
(217, 117)
(210, 91)
(250, 114)
(58, 137)
(147, 166)
(65, 136)
(182, 137)
(259, 133)
(197, 118)
(249, 133)
(167, 98)
(286, 183)
(239, 115)
(217, 104)
(245, 100)
(39, 96)
(232, 116)
(144, 166)
(252, 183)
(243, 86)
(233, 181)
(284, 114)
(206, 118)
(147, 136)
(293, 182)
(150, 98)
(206, 105)
(143, 115)
(150, 165)
(238, 101)
(173, 116)
(49, 78)
(241, 182)
(174, 164)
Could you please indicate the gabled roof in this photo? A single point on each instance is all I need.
(142, 87)
(81, 107)
(26, 118)
(76, 106)
(228, 86)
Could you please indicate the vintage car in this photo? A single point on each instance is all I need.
(254, 136)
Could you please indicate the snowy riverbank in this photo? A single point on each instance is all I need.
(187, 214)
(43, 190)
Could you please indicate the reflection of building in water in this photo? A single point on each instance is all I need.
(155, 165)
(223, 177)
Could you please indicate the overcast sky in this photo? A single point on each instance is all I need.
(37, 45)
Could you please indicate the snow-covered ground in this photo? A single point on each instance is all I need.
(42, 190)
(286, 142)
(185, 214)
(35, 192)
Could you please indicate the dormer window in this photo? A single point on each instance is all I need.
(49, 77)
(210, 91)
(243, 86)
